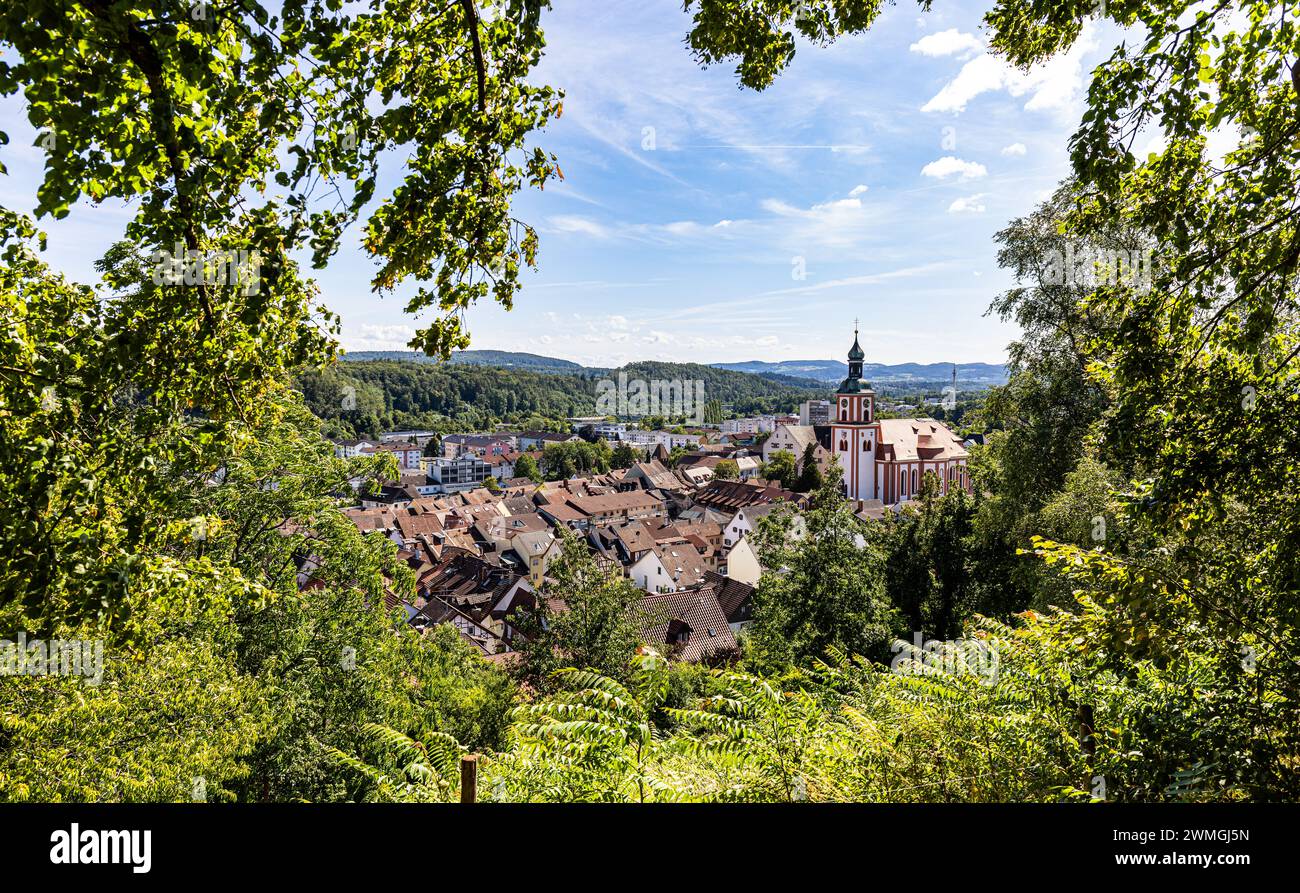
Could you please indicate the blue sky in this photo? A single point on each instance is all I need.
(881, 167)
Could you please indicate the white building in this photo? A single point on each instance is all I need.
(642, 438)
(815, 412)
(887, 459)
(453, 475)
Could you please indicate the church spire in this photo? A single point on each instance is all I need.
(856, 352)
(854, 384)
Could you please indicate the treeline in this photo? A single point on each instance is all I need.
(364, 398)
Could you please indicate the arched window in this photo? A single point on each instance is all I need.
(864, 446)
(913, 480)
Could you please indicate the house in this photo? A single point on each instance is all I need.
(481, 445)
(616, 508)
(744, 521)
(531, 440)
(468, 583)
(742, 563)
(535, 550)
(732, 495)
(466, 472)
(390, 496)
(350, 449)
(653, 476)
(667, 568)
(793, 439)
(407, 454)
(748, 467)
(736, 599)
(815, 412)
(419, 438)
(481, 634)
(667, 439)
(689, 625)
(502, 466)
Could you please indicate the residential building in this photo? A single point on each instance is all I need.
(537, 440)
(815, 412)
(482, 445)
(689, 625)
(454, 475)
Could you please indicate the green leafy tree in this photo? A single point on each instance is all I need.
(726, 470)
(526, 467)
(595, 623)
(810, 475)
(781, 468)
(624, 456)
(825, 587)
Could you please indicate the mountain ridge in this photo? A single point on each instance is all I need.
(781, 371)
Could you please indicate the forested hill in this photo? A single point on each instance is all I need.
(366, 396)
(504, 359)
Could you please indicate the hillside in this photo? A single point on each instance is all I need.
(365, 396)
(968, 374)
(503, 359)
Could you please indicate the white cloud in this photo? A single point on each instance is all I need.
(380, 337)
(766, 341)
(571, 223)
(1014, 149)
(949, 165)
(947, 43)
(857, 190)
(1054, 85)
(971, 204)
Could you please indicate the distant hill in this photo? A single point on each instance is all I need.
(985, 374)
(398, 390)
(501, 359)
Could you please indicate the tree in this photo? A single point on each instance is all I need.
(624, 456)
(526, 467)
(929, 574)
(810, 475)
(595, 623)
(726, 470)
(824, 586)
(781, 467)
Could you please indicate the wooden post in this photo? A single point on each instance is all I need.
(469, 778)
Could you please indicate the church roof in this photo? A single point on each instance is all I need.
(856, 352)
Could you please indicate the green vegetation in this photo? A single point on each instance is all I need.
(1124, 580)
(365, 398)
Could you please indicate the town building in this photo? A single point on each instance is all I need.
(887, 459)
(454, 475)
(815, 412)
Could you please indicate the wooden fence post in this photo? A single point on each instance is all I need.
(469, 778)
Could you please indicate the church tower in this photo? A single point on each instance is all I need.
(854, 432)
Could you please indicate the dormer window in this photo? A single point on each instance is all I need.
(679, 632)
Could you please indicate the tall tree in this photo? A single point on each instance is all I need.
(824, 587)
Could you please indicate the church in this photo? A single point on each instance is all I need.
(887, 459)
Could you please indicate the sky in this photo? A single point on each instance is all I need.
(698, 221)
